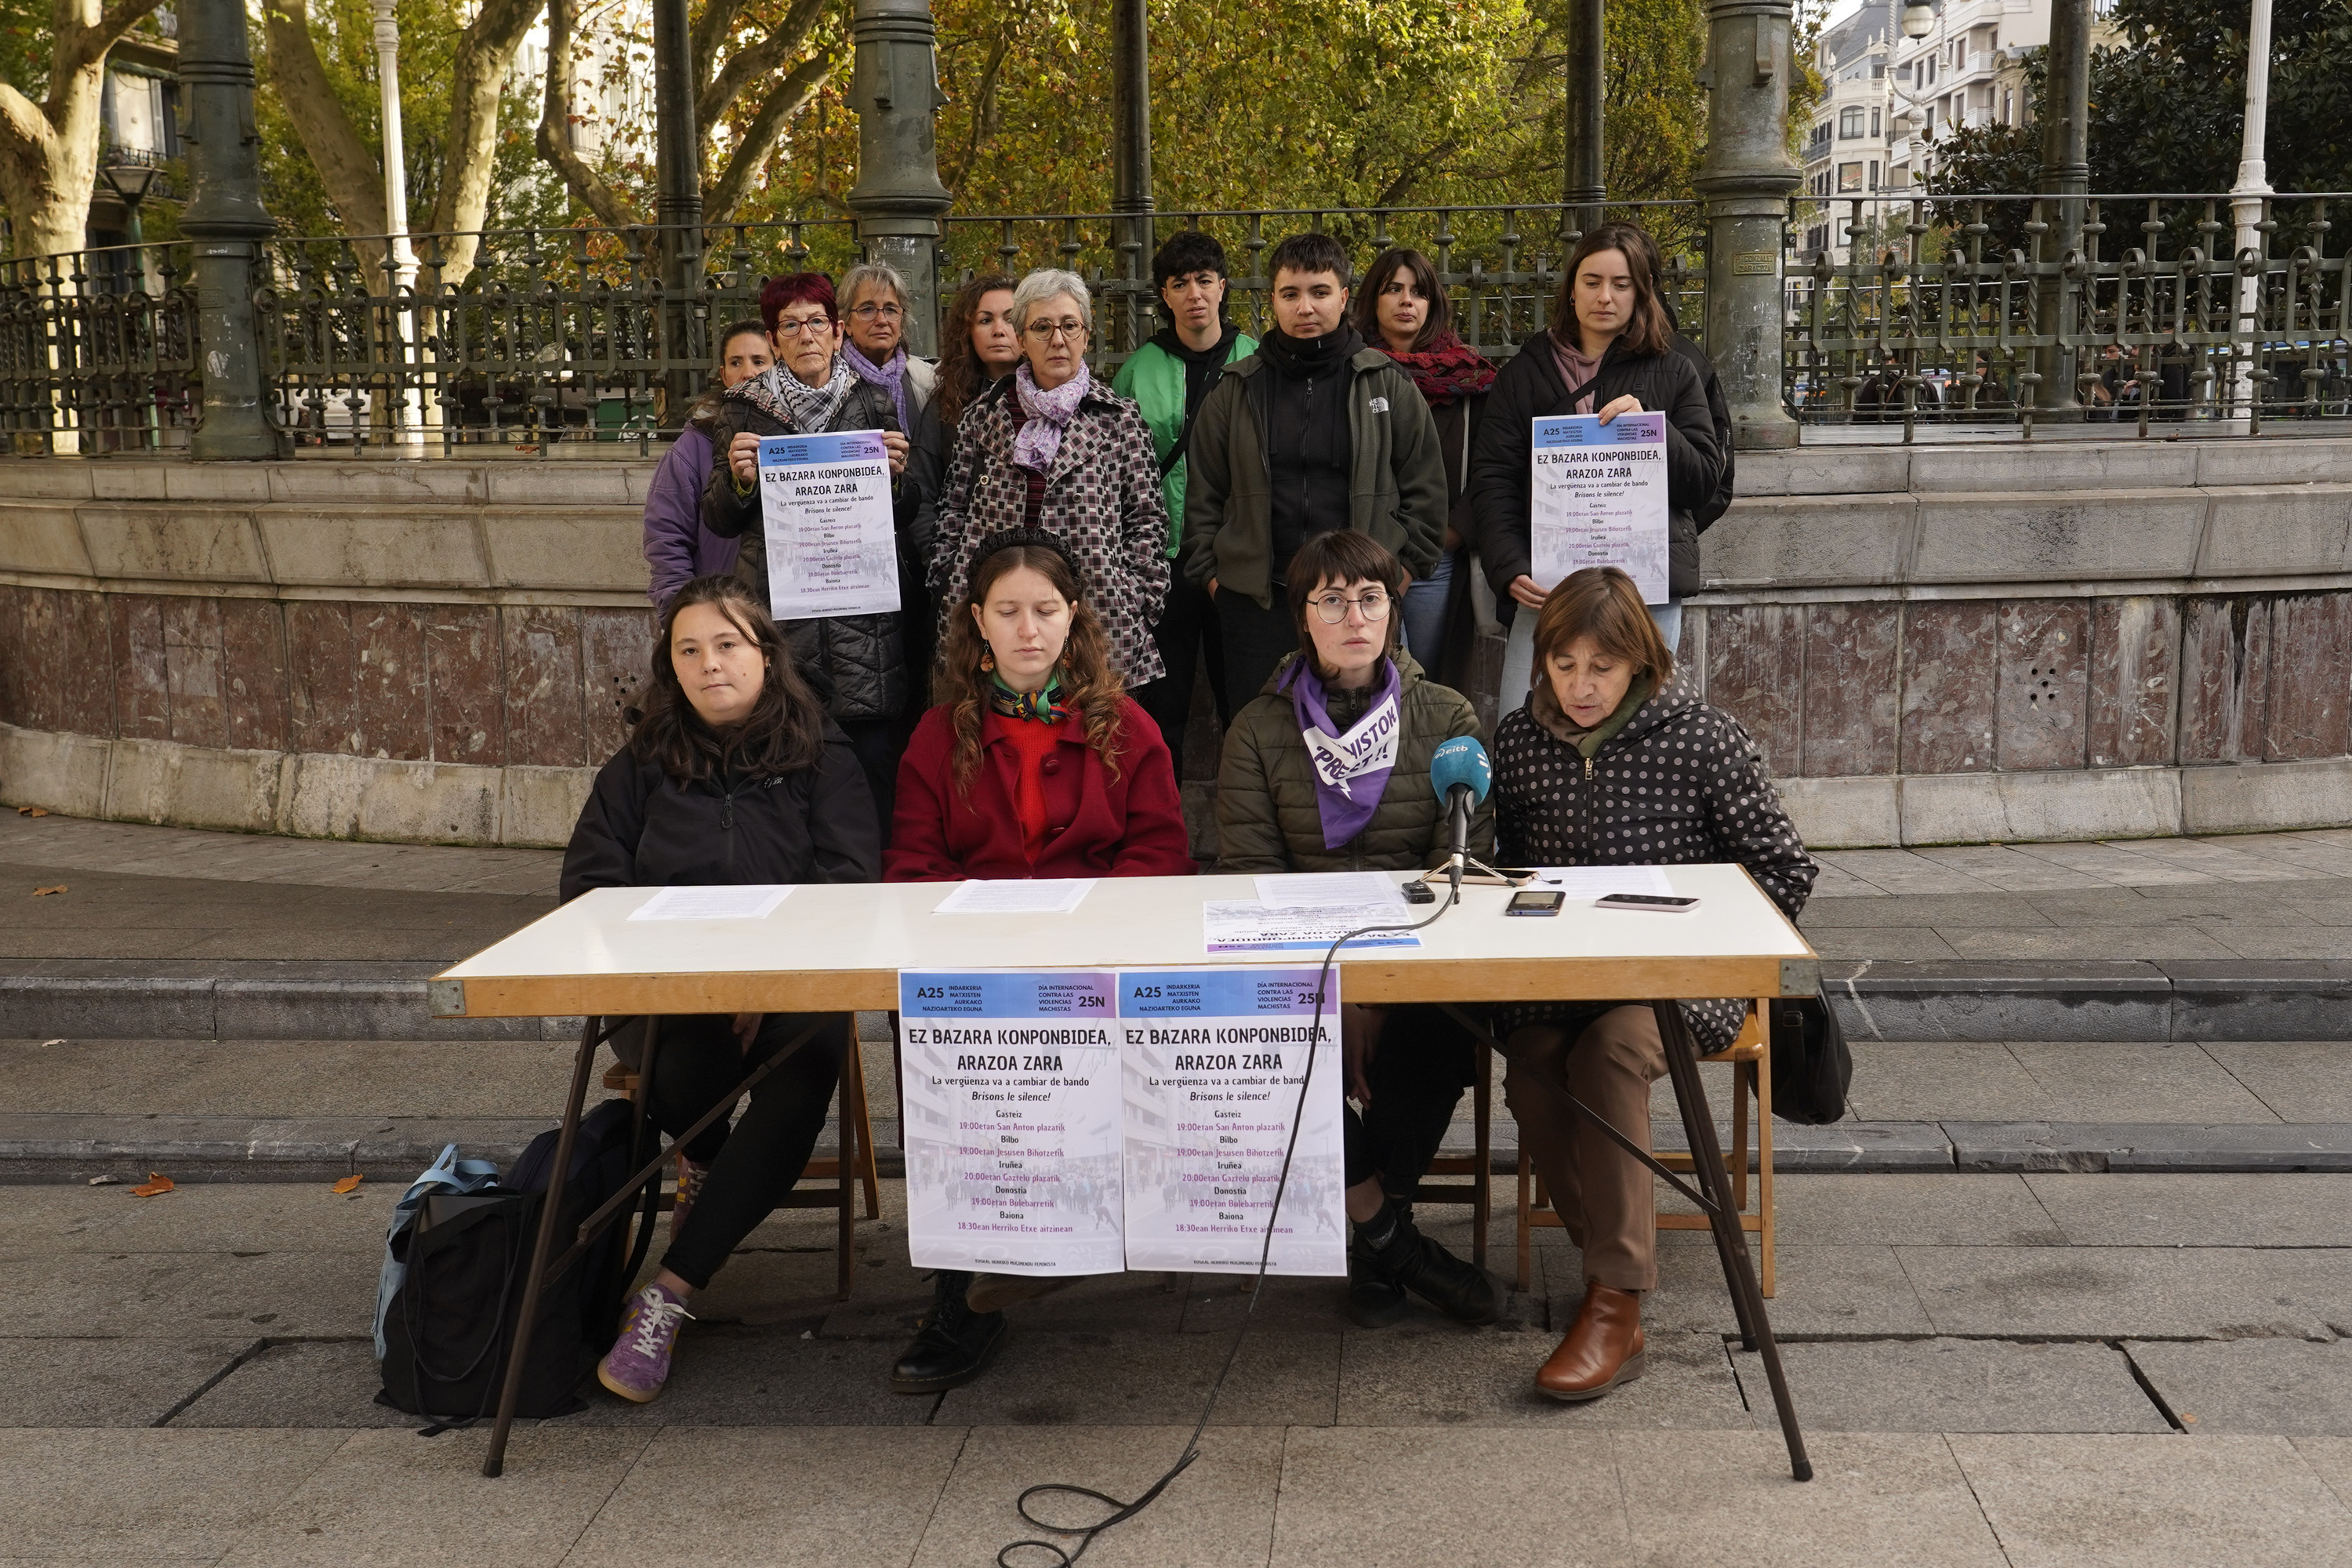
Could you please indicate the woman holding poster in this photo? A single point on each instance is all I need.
(1328, 770)
(1610, 353)
(1034, 763)
(1612, 762)
(857, 662)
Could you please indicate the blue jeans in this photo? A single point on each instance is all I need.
(1424, 613)
(1520, 651)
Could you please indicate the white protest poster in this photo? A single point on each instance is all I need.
(1211, 1061)
(824, 506)
(1009, 1082)
(1597, 497)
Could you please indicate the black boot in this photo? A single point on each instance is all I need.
(954, 1344)
(1460, 1290)
(1375, 1300)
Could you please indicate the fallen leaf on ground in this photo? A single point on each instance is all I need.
(106, 1181)
(156, 1185)
(349, 1183)
(45, 892)
(32, 811)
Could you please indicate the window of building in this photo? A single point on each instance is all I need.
(1849, 177)
(1850, 123)
(1873, 173)
(1873, 123)
(2008, 107)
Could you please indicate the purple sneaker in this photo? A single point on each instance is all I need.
(638, 1364)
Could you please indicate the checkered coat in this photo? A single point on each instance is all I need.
(1102, 498)
(1682, 783)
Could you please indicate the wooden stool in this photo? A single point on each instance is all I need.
(1750, 1056)
(1479, 1192)
(852, 1167)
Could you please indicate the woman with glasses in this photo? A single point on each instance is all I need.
(1051, 448)
(858, 663)
(1328, 770)
(874, 311)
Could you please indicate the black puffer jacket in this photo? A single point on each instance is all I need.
(1681, 783)
(1530, 388)
(641, 828)
(859, 661)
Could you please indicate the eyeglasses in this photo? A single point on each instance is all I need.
(867, 312)
(1333, 607)
(807, 324)
(1054, 331)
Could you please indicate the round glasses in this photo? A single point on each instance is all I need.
(1054, 332)
(1333, 607)
(867, 312)
(797, 329)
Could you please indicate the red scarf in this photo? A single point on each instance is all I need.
(1447, 369)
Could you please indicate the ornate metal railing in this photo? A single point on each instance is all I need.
(1974, 310)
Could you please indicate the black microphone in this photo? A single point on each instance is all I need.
(1460, 772)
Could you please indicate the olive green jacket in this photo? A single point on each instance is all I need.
(1268, 820)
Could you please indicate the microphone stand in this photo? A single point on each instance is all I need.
(1458, 812)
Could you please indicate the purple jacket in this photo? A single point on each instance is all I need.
(677, 547)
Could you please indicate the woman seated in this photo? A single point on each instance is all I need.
(734, 775)
(1612, 762)
(1295, 794)
(1034, 763)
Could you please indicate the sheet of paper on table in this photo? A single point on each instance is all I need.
(1600, 881)
(1245, 925)
(1012, 1120)
(1314, 889)
(1214, 1059)
(747, 902)
(1041, 896)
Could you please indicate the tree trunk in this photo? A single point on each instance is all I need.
(49, 152)
(485, 51)
(555, 128)
(353, 176)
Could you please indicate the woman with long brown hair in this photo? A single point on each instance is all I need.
(1034, 763)
(1609, 350)
(977, 346)
(733, 775)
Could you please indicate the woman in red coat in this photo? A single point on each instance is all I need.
(1034, 763)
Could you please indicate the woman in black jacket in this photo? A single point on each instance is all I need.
(1609, 350)
(734, 775)
(1612, 763)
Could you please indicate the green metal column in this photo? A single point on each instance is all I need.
(1587, 182)
(2066, 175)
(1745, 181)
(1130, 97)
(225, 223)
(677, 205)
(898, 199)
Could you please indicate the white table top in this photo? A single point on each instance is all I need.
(840, 948)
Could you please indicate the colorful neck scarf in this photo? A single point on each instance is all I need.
(1446, 370)
(890, 375)
(1351, 771)
(1043, 706)
(809, 410)
(1047, 413)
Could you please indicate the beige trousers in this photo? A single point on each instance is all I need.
(1603, 1195)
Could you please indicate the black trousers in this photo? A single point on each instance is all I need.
(1424, 1062)
(1255, 640)
(754, 1166)
(1187, 638)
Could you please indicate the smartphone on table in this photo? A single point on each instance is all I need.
(1659, 903)
(1534, 901)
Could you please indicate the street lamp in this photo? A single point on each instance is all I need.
(1918, 20)
(129, 175)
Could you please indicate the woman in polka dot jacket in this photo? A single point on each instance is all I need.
(1612, 762)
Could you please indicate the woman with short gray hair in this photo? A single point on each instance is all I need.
(1051, 448)
(874, 310)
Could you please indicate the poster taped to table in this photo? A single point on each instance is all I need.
(1009, 1082)
(1597, 497)
(824, 505)
(1213, 1059)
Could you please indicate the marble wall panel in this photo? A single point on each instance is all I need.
(322, 690)
(389, 692)
(615, 648)
(142, 704)
(2135, 681)
(253, 673)
(191, 670)
(1950, 659)
(1851, 689)
(461, 663)
(2040, 714)
(2224, 678)
(1756, 672)
(540, 644)
(2311, 654)
(31, 678)
(58, 642)
(15, 656)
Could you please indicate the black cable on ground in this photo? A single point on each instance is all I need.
(1123, 1511)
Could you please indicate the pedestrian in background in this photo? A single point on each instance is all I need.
(678, 549)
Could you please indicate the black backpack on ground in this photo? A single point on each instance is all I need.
(1812, 1068)
(451, 1323)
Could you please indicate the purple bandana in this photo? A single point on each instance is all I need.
(1351, 771)
(1041, 439)
(890, 375)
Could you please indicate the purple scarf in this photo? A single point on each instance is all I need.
(1040, 440)
(1351, 771)
(892, 375)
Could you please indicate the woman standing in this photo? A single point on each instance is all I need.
(678, 549)
(979, 347)
(1034, 763)
(1403, 308)
(1284, 804)
(1612, 762)
(733, 775)
(1052, 448)
(874, 310)
(857, 662)
(1610, 353)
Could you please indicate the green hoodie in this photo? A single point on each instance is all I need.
(1155, 379)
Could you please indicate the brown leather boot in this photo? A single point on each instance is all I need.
(1602, 1350)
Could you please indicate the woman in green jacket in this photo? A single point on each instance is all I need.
(1350, 697)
